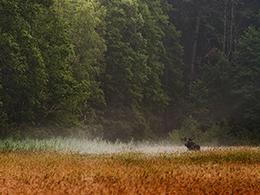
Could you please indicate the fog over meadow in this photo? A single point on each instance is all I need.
(99, 146)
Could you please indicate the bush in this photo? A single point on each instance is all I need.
(189, 128)
(125, 125)
(215, 134)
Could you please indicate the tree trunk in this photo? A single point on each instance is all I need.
(194, 47)
(225, 27)
(231, 41)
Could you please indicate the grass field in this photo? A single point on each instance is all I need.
(220, 171)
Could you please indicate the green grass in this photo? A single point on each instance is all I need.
(127, 153)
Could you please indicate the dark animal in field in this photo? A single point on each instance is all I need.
(191, 145)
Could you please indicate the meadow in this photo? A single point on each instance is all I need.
(28, 170)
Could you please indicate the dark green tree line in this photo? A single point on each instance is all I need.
(35, 74)
(131, 68)
(215, 37)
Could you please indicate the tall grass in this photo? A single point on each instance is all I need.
(219, 171)
(99, 146)
(84, 146)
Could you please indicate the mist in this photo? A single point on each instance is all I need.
(94, 146)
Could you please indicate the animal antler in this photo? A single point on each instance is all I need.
(184, 139)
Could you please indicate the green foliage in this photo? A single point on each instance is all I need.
(85, 25)
(247, 81)
(153, 32)
(132, 68)
(125, 125)
(189, 128)
(216, 134)
(135, 53)
(23, 74)
(139, 60)
(126, 57)
(38, 68)
(210, 94)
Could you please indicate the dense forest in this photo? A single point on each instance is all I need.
(131, 69)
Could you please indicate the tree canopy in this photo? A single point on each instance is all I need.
(124, 69)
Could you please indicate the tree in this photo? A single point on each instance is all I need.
(126, 58)
(23, 74)
(85, 24)
(35, 75)
(246, 88)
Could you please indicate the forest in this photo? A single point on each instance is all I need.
(131, 69)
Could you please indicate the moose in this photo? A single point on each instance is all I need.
(189, 143)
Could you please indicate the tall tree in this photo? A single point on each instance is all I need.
(126, 57)
(85, 24)
(247, 88)
(35, 75)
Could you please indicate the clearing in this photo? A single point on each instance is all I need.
(217, 171)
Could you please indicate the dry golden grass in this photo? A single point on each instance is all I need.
(215, 172)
